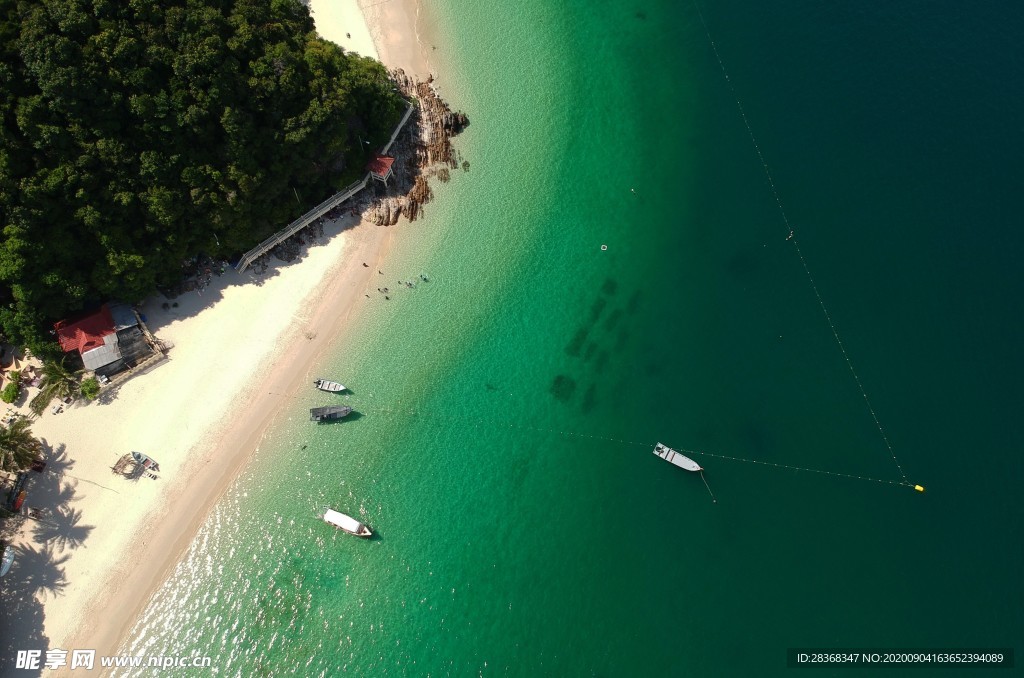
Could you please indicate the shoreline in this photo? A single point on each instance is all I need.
(395, 29)
(134, 533)
(135, 553)
(289, 374)
(343, 23)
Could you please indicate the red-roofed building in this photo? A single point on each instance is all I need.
(380, 167)
(95, 337)
(86, 333)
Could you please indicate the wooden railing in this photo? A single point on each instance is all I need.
(318, 211)
(300, 223)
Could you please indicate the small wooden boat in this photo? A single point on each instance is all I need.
(329, 386)
(346, 523)
(673, 457)
(330, 412)
(6, 560)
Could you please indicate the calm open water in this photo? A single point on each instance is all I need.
(507, 408)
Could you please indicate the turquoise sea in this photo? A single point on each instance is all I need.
(507, 409)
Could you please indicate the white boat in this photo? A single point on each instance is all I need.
(673, 457)
(346, 523)
(7, 560)
(329, 386)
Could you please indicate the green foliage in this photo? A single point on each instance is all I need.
(57, 381)
(90, 388)
(10, 392)
(18, 448)
(138, 134)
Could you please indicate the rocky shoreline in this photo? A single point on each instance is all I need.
(422, 150)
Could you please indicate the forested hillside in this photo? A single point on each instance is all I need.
(137, 134)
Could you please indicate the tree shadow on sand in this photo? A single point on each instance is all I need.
(38, 572)
(161, 310)
(49, 489)
(36, 575)
(57, 460)
(62, 528)
(43, 571)
(108, 395)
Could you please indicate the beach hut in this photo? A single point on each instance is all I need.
(107, 340)
(380, 168)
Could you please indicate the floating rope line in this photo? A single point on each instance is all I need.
(798, 468)
(713, 500)
(399, 411)
(791, 237)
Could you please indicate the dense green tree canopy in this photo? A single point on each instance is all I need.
(136, 134)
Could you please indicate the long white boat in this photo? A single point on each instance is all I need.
(673, 457)
(329, 386)
(346, 523)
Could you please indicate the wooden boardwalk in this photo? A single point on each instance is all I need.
(318, 211)
(394, 135)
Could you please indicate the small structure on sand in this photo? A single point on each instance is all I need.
(134, 465)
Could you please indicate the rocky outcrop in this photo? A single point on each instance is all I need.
(422, 150)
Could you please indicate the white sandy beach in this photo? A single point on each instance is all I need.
(341, 22)
(397, 35)
(388, 31)
(236, 348)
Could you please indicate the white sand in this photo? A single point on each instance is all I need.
(341, 22)
(239, 350)
(397, 35)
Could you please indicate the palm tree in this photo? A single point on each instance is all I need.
(18, 448)
(57, 382)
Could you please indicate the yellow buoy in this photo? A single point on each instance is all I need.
(919, 488)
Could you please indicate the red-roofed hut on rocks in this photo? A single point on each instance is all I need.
(380, 168)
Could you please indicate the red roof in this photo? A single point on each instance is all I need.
(380, 165)
(86, 333)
